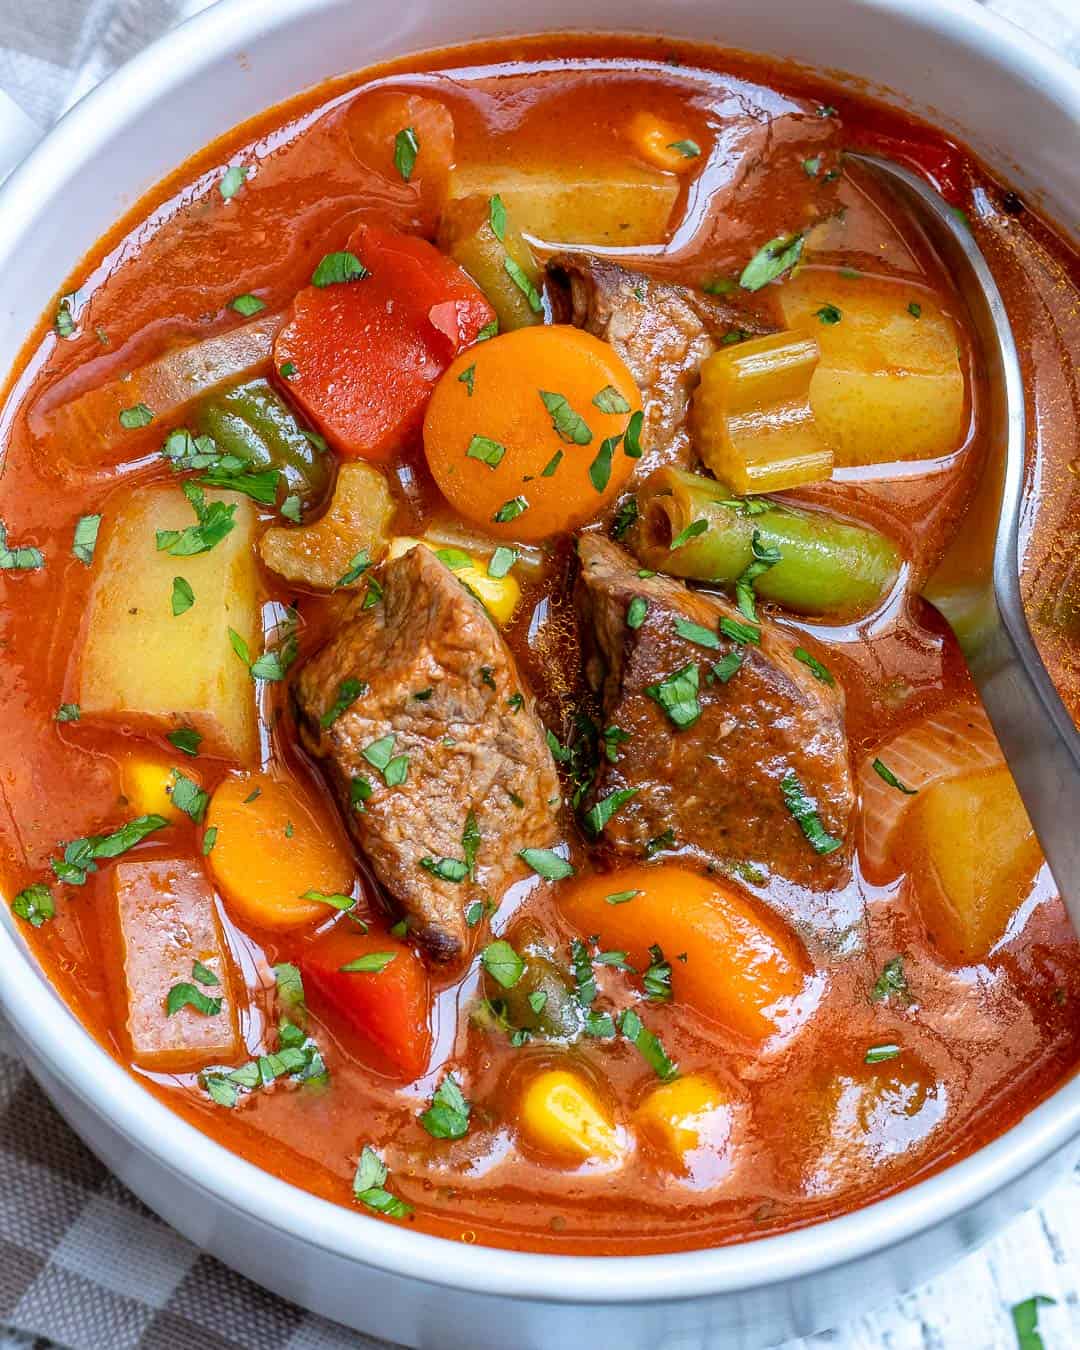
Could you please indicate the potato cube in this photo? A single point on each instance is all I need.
(147, 784)
(141, 665)
(167, 920)
(609, 205)
(687, 1114)
(889, 385)
(979, 856)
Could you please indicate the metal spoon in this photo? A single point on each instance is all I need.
(1038, 737)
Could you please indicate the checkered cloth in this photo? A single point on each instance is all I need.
(82, 1262)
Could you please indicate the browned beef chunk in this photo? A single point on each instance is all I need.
(715, 783)
(663, 332)
(440, 680)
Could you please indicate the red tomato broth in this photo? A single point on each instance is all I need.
(988, 1041)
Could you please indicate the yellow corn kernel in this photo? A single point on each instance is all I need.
(663, 143)
(498, 595)
(683, 1115)
(147, 785)
(560, 1113)
(752, 422)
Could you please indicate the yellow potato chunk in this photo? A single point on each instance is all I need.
(561, 1114)
(889, 385)
(978, 856)
(147, 784)
(579, 204)
(320, 554)
(498, 595)
(685, 1115)
(751, 417)
(141, 665)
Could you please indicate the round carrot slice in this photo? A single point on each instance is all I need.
(534, 432)
(270, 846)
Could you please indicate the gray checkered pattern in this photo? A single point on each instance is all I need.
(86, 1264)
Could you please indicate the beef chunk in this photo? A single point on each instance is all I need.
(442, 682)
(663, 333)
(716, 783)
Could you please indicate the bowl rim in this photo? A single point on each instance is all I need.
(71, 1055)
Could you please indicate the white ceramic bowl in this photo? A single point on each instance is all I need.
(1019, 107)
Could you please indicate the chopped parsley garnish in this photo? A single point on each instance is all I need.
(502, 963)
(620, 897)
(915, 309)
(373, 594)
(131, 419)
(688, 149)
(815, 666)
(808, 820)
(501, 562)
(335, 900)
(812, 166)
(468, 378)
(657, 978)
(358, 565)
(597, 817)
(520, 278)
(446, 869)
(487, 676)
(613, 737)
(660, 842)
(600, 468)
(828, 314)
(826, 110)
(85, 538)
(632, 436)
(360, 790)
(215, 521)
(609, 400)
(695, 632)
(891, 982)
(261, 487)
(510, 510)
(34, 904)
(64, 322)
(380, 755)
(1025, 1318)
(185, 995)
(546, 863)
(570, 426)
(771, 261)
(548, 471)
(369, 1187)
(470, 842)
(292, 508)
(348, 691)
(742, 633)
(189, 797)
(448, 1115)
(67, 712)
(878, 1054)
(648, 1045)
(474, 912)
(18, 559)
(886, 775)
(677, 694)
(454, 558)
(183, 597)
(247, 305)
(232, 180)
(81, 856)
(371, 963)
(625, 517)
(727, 667)
(764, 557)
(209, 840)
(338, 268)
(636, 611)
(488, 331)
(422, 695)
(287, 370)
(487, 451)
(692, 531)
(497, 217)
(406, 149)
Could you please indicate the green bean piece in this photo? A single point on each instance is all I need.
(467, 232)
(828, 567)
(253, 422)
(542, 1001)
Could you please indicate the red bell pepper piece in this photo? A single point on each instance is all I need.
(363, 356)
(390, 1008)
